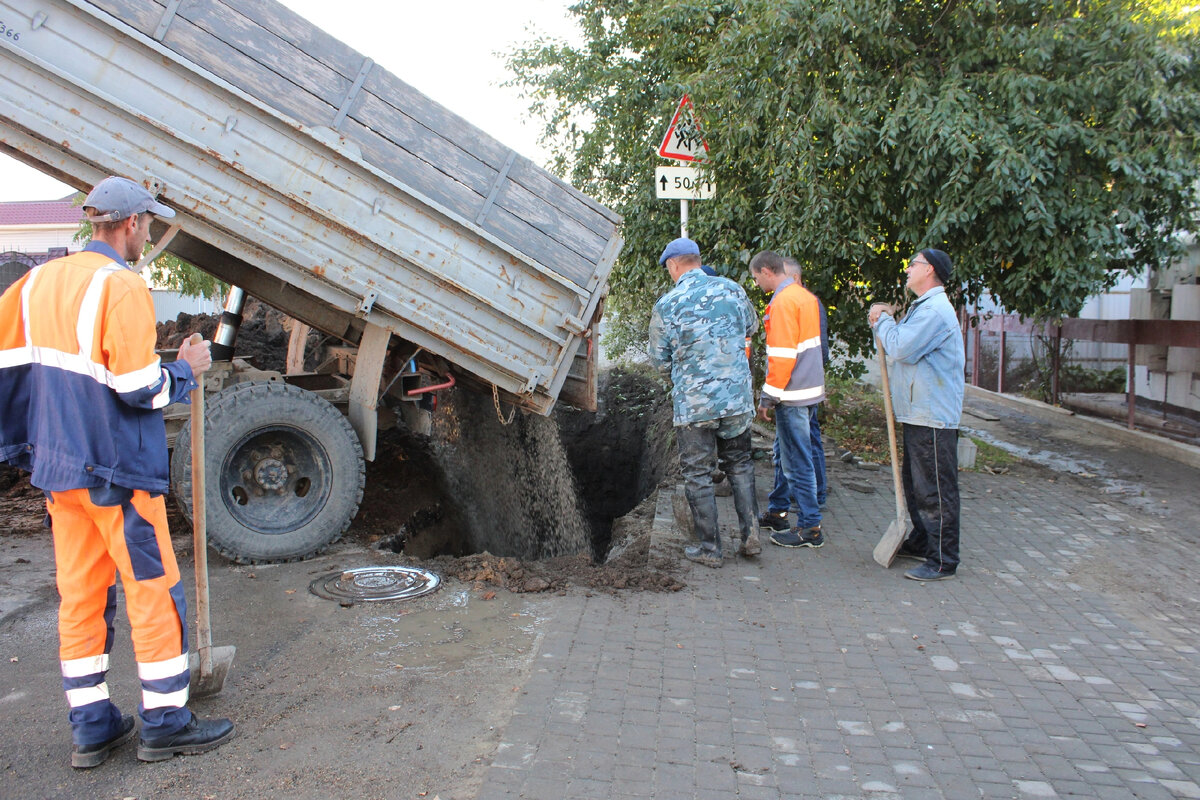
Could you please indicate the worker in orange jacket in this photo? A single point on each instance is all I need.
(794, 385)
(81, 399)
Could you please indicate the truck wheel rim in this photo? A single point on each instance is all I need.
(276, 479)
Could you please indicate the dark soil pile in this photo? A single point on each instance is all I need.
(631, 572)
(511, 482)
(514, 479)
(22, 507)
(262, 338)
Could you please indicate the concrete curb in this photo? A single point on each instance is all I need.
(1146, 442)
(666, 537)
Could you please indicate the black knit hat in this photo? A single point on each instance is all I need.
(940, 263)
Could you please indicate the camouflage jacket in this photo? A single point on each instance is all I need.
(698, 333)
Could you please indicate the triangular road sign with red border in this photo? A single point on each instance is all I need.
(683, 140)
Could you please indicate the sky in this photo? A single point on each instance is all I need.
(447, 50)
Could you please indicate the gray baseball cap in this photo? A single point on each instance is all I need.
(116, 198)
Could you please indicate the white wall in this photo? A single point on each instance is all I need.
(37, 238)
(169, 305)
(1113, 304)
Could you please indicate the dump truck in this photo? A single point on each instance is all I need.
(309, 177)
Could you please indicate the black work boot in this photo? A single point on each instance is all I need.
(85, 756)
(198, 736)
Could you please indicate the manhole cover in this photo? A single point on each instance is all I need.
(368, 584)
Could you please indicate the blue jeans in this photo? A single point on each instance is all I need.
(799, 456)
(778, 500)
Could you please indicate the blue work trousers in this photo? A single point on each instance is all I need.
(779, 500)
(796, 481)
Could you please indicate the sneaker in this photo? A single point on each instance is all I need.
(774, 520)
(709, 558)
(809, 537)
(929, 572)
(86, 756)
(198, 736)
(786, 538)
(812, 537)
(750, 547)
(907, 550)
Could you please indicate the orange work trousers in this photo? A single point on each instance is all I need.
(98, 533)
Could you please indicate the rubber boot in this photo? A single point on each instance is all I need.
(704, 518)
(742, 480)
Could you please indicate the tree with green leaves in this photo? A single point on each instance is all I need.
(1049, 147)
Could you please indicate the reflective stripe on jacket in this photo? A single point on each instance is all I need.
(81, 388)
(795, 368)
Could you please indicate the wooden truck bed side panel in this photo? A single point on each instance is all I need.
(280, 58)
(492, 276)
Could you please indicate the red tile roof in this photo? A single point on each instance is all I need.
(40, 212)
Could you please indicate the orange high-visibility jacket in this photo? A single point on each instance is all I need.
(81, 388)
(795, 372)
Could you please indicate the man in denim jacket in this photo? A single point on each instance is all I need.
(926, 363)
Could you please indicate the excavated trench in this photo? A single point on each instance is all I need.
(533, 489)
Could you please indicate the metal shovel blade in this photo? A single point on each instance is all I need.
(889, 544)
(208, 679)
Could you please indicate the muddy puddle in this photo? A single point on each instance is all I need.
(444, 633)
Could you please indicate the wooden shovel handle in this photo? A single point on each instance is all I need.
(200, 527)
(891, 426)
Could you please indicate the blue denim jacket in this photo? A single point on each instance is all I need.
(926, 361)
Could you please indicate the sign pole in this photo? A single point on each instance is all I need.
(683, 141)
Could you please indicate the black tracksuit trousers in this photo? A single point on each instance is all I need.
(930, 474)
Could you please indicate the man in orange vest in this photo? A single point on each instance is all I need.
(81, 399)
(795, 384)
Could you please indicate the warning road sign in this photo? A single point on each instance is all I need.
(683, 140)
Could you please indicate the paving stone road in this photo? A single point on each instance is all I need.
(1061, 662)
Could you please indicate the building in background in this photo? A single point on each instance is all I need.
(33, 232)
(1169, 377)
(1165, 380)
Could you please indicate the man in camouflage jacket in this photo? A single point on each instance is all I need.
(698, 333)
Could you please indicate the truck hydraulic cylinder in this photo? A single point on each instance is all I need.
(227, 330)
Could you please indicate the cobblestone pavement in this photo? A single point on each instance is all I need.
(1060, 662)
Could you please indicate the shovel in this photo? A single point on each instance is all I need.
(209, 665)
(893, 537)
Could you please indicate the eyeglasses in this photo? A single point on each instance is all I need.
(916, 263)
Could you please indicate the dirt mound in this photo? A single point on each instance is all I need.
(511, 482)
(262, 339)
(632, 572)
(22, 507)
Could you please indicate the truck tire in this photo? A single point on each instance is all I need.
(284, 472)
